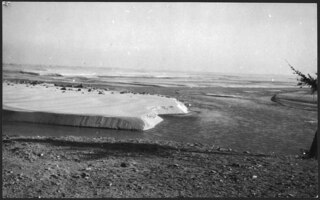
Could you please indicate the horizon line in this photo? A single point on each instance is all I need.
(144, 69)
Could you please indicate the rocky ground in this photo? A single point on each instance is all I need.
(104, 167)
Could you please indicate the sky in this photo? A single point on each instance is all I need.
(253, 38)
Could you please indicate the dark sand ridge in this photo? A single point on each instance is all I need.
(299, 99)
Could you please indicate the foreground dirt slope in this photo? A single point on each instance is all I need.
(102, 167)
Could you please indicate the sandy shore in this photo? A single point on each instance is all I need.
(88, 107)
(206, 163)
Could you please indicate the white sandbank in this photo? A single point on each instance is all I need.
(45, 103)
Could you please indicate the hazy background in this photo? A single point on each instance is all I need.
(216, 37)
